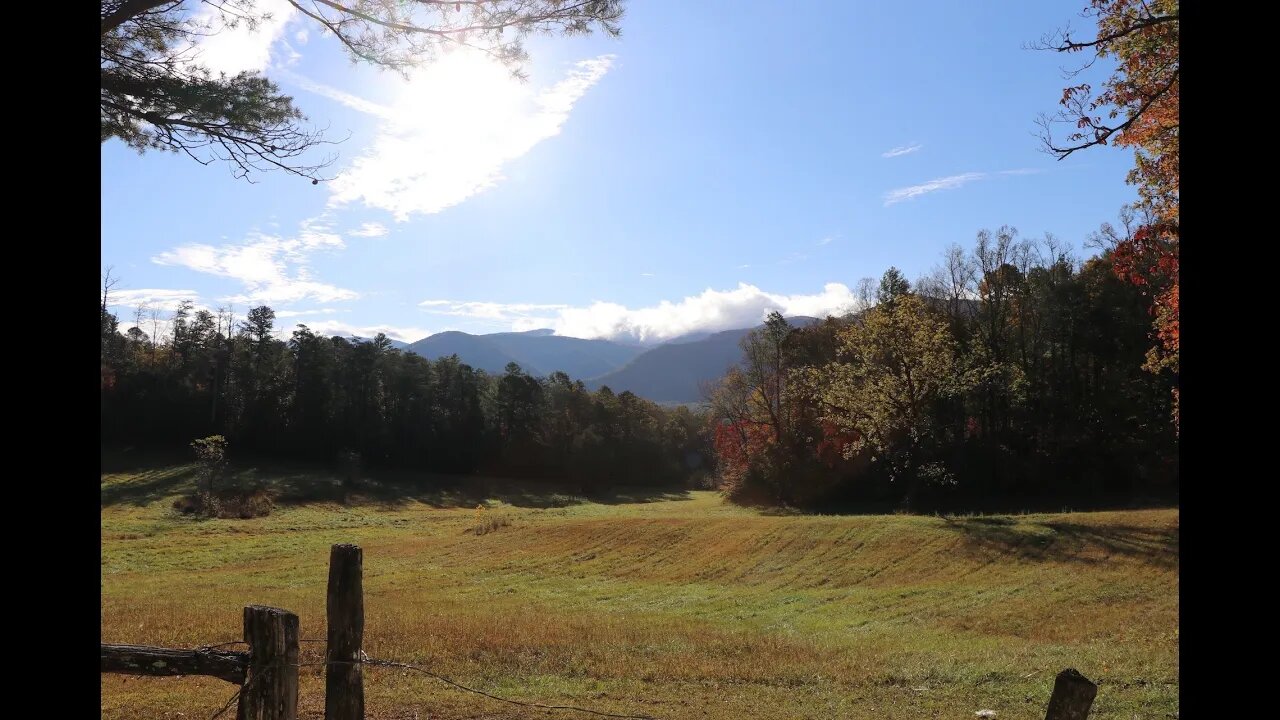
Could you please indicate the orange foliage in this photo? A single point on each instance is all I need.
(1142, 36)
(831, 449)
(737, 444)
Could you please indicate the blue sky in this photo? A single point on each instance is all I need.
(719, 160)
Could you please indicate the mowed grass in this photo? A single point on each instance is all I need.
(673, 605)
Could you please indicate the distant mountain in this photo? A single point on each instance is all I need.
(670, 373)
(575, 356)
(398, 345)
(688, 337)
(475, 350)
(674, 372)
(538, 352)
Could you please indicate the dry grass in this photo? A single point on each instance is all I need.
(680, 608)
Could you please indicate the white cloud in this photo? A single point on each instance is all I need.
(352, 101)
(710, 311)
(455, 125)
(522, 316)
(157, 306)
(370, 229)
(947, 183)
(646, 274)
(236, 49)
(291, 56)
(301, 37)
(272, 269)
(299, 313)
(337, 327)
(901, 150)
(160, 299)
(826, 240)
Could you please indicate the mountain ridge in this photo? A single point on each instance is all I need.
(670, 372)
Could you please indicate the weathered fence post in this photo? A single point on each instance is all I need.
(270, 691)
(1072, 696)
(344, 679)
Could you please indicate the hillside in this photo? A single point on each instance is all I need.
(575, 356)
(395, 344)
(670, 604)
(673, 373)
(676, 371)
(537, 352)
(475, 350)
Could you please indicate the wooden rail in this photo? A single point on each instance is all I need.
(267, 674)
(143, 660)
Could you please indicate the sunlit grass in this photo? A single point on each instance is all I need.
(683, 607)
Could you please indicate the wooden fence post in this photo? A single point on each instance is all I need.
(344, 678)
(1072, 696)
(270, 691)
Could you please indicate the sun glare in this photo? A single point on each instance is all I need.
(450, 129)
(463, 92)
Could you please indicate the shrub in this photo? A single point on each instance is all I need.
(487, 522)
(231, 505)
(246, 505)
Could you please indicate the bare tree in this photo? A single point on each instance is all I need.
(155, 329)
(1107, 237)
(866, 292)
(961, 276)
(108, 324)
(108, 284)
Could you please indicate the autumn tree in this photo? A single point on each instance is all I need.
(156, 95)
(765, 365)
(758, 408)
(1136, 107)
(740, 436)
(895, 362)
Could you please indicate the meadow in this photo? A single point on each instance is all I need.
(672, 604)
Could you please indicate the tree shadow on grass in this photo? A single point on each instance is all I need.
(464, 491)
(146, 486)
(1061, 540)
(149, 478)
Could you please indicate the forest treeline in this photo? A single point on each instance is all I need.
(1011, 372)
(331, 399)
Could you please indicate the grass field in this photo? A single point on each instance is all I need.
(674, 605)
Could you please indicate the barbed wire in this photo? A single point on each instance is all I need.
(215, 646)
(231, 701)
(378, 662)
(409, 666)
(234, 697)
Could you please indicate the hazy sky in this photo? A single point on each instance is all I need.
(719, 160)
